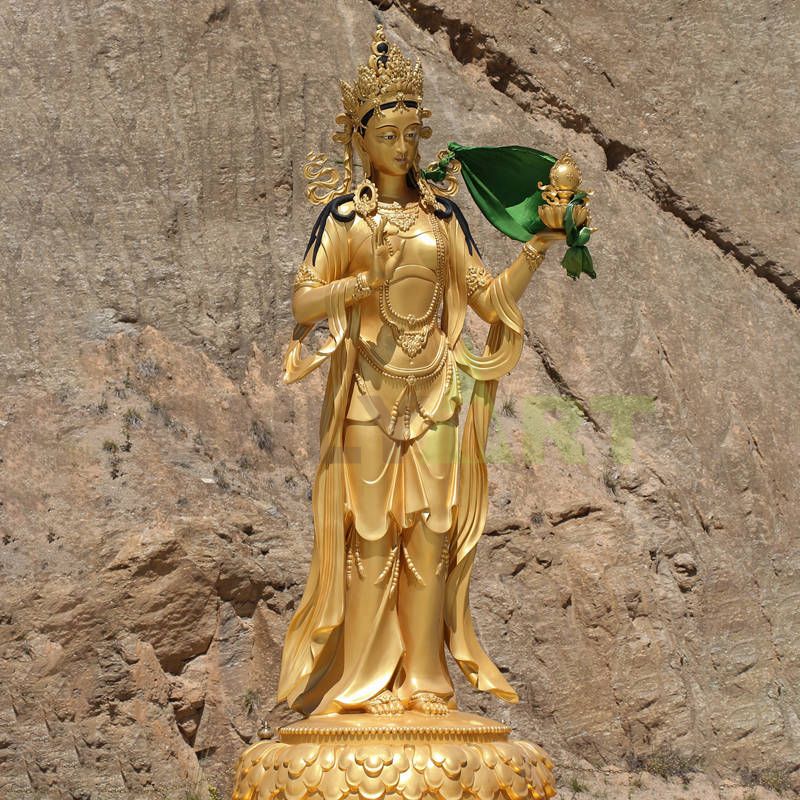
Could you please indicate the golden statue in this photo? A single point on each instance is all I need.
(398, 505)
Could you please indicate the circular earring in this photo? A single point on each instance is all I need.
(365, 198)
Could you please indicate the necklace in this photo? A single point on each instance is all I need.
(411, 331)
(402, 217)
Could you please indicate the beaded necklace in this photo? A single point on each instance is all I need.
(403, 217)
(411, 331)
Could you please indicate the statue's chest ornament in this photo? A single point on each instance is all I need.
(411, 331)
(399, 216)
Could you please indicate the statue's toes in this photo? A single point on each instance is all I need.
(430, 704)
(386, 703)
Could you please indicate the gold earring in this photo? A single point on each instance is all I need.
(365, 199)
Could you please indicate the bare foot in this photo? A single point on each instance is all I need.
(385, 703)
(428, 703)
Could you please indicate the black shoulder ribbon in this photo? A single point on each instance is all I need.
(330, 209)
(446, 208)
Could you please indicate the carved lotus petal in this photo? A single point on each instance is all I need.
(421, 757)
(371, 788)
(374, 754)
(268, 755)
(473, 758)
(391, 776)
(519, 787)
(450, 757)
(454, 765)
(301, 756)
(534, 752)
(256, 774)
(467, 777)
(488, 755)
(451, 790)
(484, 784)
(334, 784)
(507, 752)
(312, 777)
(540, 778)
(374, 763)
(282, 773)
(327, 758)
(353, 775)
(434, 776)
(255, 754)
(347, 758)
(504, 774)
(402, 761)
(412, 785)
(294, 789)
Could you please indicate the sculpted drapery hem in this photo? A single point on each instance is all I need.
(311, 647)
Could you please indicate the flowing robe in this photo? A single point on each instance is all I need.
(312, 652)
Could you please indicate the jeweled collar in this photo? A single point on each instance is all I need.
(398, 205)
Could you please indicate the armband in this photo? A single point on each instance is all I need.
(477, 277)
(306, 277)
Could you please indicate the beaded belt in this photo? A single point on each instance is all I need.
(407, 375)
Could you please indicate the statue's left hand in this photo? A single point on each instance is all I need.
(542, 240)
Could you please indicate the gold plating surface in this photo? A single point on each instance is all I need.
(409, 756)
(399, 499)
(453, 726)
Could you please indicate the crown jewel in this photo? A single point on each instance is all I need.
(389, 76)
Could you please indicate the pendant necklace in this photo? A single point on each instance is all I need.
(402, 217)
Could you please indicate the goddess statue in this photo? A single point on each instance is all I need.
(398, 505)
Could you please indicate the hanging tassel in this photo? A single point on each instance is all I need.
(444, 558)
(411, 566)
(389, 565)
(359, 562)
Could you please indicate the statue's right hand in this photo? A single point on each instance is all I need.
(383, 260)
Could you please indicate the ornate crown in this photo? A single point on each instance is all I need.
(388, 77)
(389, 80)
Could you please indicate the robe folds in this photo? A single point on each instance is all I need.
(312, 649)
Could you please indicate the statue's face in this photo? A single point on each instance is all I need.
(391, 141)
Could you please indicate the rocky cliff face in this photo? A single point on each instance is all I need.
(639, 577)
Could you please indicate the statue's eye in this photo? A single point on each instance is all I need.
(389, 137)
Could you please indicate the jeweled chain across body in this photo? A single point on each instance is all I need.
(411, 331)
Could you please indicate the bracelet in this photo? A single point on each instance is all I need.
(362, 288)
(533, 257)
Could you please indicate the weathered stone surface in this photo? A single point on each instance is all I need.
(667, 92)
(640, 587)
